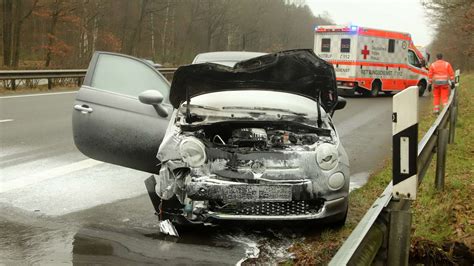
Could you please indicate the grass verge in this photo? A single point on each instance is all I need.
(441, 220)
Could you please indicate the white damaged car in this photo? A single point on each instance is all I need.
(254, 141)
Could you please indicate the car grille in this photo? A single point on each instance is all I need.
(272, 208)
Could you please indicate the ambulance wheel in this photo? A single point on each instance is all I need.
(376, 87)
(421, 87)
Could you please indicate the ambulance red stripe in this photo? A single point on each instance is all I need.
(376, 64)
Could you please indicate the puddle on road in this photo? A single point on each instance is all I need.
(358, 180)
(24, 244)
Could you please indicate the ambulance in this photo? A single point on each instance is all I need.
(370, 61)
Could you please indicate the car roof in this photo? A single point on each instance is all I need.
(227, 58)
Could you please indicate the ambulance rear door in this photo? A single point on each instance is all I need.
(338, 48)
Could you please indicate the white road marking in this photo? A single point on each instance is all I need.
(6, 120)
(48, 174)
(37, 94)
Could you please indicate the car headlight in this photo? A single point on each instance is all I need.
(327, 156)
(193, 151)
(336, 181)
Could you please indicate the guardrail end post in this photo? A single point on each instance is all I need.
(50, 84)
(443, 135)
(399, 234)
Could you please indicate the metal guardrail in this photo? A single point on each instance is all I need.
(51, 74)
(383, 234)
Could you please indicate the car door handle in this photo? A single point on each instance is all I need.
(83, 108)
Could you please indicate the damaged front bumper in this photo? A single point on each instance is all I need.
(216, 200)
(288, 211)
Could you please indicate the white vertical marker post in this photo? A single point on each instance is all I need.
(405, 143)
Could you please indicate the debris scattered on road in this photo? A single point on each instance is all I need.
(166, 227)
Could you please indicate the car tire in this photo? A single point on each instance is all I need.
(421, 88)
(376, 88)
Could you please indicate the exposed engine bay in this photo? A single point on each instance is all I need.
(267, 136)
(250, 170)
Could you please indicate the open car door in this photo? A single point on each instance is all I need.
(109, 121)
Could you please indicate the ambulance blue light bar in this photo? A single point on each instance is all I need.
(351, 28)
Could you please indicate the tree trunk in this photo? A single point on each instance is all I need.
(18, 23)
(165, 27)
(7, 31)
(137, 31)
(152, 26)
(51, 34)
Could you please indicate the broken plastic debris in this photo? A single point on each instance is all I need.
(166, 227)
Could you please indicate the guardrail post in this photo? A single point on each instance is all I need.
(50, 84)
(452, 124)
(399, 233)
(13, 85)
(453, 116)
(443, 135)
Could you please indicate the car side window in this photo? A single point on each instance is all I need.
(391, 45)
(124, 75)
(412, 59)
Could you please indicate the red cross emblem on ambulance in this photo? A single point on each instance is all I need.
(365, 52)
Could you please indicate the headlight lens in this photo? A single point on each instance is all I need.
(193, 152)
(327, 156)
(336, 181)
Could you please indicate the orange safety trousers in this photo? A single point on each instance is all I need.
(440, 92)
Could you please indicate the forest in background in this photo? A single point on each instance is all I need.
(65, 33)
(453, 23)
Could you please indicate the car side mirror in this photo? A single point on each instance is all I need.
(151, 97)
(341, 103)
(155, 98)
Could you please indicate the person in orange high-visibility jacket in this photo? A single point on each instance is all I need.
(441, 75)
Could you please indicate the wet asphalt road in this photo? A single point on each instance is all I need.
(58, 206)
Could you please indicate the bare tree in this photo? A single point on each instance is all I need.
(20, 17)
(454, 25)
(7, 31)
(67, 32)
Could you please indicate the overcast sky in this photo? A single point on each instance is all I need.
(397, 15)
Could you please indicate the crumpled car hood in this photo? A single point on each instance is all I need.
(294, 71)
